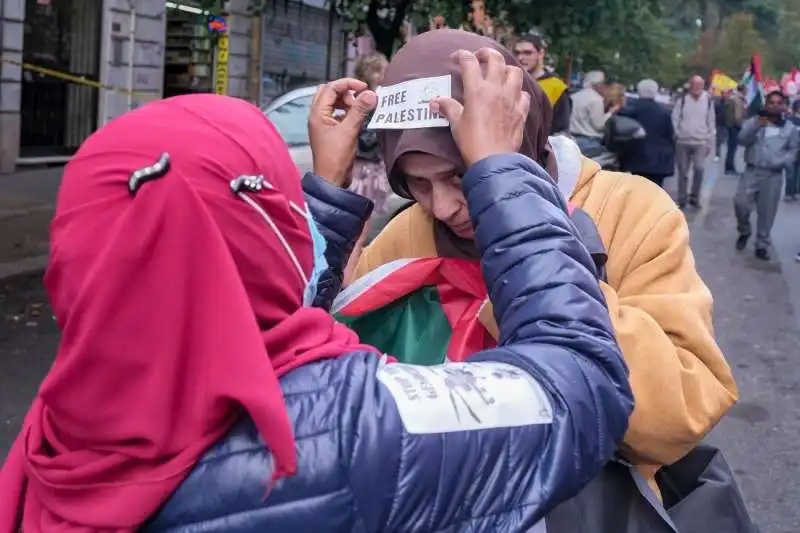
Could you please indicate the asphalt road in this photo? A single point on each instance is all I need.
(756, 325)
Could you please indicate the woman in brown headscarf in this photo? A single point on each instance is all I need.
(660, 307)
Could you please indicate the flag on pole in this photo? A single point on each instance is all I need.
(421, 311)
(752, 80)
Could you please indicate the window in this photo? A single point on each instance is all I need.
(291, 120)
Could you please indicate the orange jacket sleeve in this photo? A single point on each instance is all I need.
(661, 312)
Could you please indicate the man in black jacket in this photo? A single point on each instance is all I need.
(531, 52)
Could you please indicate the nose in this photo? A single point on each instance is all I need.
(445, 202)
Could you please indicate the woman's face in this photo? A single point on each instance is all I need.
(375, 76)
(435, 184)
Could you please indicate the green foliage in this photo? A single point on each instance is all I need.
(738, 41)
(785, 43)
(628, 39)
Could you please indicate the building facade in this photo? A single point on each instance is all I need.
(12, 13)
(157, 48)
(302, 45)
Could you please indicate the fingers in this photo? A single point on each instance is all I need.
(328, 95)
(470, 70)
(449, 108)
(523, 106)
(349, 100)
(513, 77)
(493, 63)
(360, 108)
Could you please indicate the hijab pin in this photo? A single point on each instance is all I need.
(149, 173)
(247, 183)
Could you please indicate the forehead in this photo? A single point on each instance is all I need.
(427, 166)
(775, 98)
(524, 45)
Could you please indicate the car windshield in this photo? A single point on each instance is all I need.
(291, 120)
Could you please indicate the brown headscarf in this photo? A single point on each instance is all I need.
(428, 55)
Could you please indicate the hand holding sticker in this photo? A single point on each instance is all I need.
(333, 138)
(492, 117)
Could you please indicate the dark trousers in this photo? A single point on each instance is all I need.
(722, 139)
(733, 145)
(793, 179)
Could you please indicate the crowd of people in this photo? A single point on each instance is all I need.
(202, 384)
(681, 135)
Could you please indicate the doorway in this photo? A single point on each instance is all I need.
(58, 115)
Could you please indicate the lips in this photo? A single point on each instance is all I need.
(462, 229)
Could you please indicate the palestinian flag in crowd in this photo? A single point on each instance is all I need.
(421, 311)
(754, 82)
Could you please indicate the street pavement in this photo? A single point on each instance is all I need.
(756, 325)
(26, 207)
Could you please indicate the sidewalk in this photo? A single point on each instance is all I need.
(27, 200)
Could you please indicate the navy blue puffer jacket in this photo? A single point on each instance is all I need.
(490, 445)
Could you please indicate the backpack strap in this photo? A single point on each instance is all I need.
(683, 101)
(590, 236)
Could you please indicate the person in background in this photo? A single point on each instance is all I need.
(614, 98)
(694, 122)
(589, 114)
(793, 170)
(771, 143)
(654, 156)
(369, 173)
(531, 52)
(722, 131)
(735, 115)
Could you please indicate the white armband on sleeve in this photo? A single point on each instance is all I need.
(465, 396)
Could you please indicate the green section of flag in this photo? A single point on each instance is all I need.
(414, 329)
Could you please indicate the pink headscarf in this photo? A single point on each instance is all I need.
(179, 309)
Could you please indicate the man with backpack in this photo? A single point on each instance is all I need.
(695, 124)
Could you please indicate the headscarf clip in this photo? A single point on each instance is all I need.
(157, 170)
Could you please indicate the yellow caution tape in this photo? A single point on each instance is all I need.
(81, 80)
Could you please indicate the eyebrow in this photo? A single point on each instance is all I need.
(441, 174)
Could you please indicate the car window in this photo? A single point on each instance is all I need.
(291, 120)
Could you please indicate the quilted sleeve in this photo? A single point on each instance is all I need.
(488, 445)
(340, 215)
(495, 443)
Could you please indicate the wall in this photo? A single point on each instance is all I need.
(239, 43)
(148, 57)
(149, 52)
(295, 47)
(115, 45)
(12, 14)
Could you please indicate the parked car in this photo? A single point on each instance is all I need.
(289, 113)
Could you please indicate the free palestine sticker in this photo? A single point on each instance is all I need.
(406, 105)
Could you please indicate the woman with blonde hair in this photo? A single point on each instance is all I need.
(614, 97)
(369, 173)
